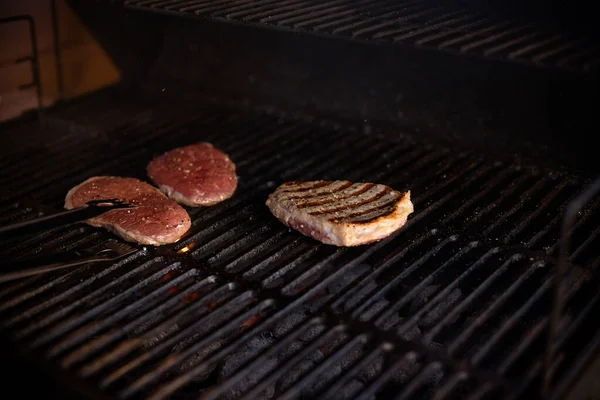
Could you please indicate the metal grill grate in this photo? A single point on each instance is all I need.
(436, 25)
(455, 305)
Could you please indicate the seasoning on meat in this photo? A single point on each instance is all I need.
(341, 213)
(194, 175)
(155, 219)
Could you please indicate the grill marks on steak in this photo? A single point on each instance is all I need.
(194, 175)
(155, 220)
(341, 213)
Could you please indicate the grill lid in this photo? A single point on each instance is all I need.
(457, 27)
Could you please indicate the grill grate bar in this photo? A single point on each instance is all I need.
(539, 328)
(326, 14)
(567, 59)
(473, 296)
(527, 341)
(447, 290)
(590, 239)
(276, 17)
(542, 207)
(445, 32)
(29, 294)
(511, 43)
(25, 188)
(383, 19)
(394, 283)
(405, 19)
(328, 364)
(206, 7)
(510, 323)
(234, 279)
(434, 26)
(476, 176)
(530, 193)
(553, 52)
(413, 292)
(473, 34)
(223, 326)
(83, 151)
(482, 392)
(577, 323)
(335, 389)
(179, 381)
(517, 185)
(182, 379)
(268, 9)
(534, 46)
(578, 225)
(67, 325)
(67, 344)
(244, 8)
(490, 39)
(414, 385)
(272, 352)
(492, 184)
(352, 293)
(239, 6)
(377, 385)
(447, 387)
(264, 325)
(272, 378)
(78, 355)
(494, 307)
(253, 273)
(222, 293)
(197, 312)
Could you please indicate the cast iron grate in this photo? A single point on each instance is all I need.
(456, 304)
(436, 25)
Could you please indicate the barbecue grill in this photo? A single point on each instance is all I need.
(489, 291)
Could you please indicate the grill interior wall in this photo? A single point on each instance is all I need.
(487, 104)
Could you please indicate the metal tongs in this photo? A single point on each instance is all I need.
(89, 210)
(108, 251)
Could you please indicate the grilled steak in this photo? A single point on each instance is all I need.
(195, 175)
(340, 213)
(155, 220)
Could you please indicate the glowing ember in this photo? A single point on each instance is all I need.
(187, 248)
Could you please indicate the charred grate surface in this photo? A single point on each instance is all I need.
(423, 23)
(455, 305)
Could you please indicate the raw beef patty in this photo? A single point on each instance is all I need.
(155, 220)
(194, 175)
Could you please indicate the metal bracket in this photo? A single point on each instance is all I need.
(57, 52)
(33, 58)
(573, 208)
